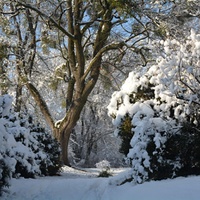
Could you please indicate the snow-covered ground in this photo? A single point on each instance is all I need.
(84, 185)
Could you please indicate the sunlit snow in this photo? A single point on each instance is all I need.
(84, 185)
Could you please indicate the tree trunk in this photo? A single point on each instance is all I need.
(82, 76)
(64, 141)
(65, 128)
(18, 102)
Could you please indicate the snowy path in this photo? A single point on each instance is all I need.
(55, 189)
(79, 185)
(72, 187)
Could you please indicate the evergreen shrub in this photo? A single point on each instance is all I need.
(26, 149)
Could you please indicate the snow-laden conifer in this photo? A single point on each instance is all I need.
(162, 101)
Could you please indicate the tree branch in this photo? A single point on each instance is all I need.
(57, 25)
(41, 103)
(99, 54)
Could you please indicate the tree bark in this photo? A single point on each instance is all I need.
(66, 126)
(64, 142)
(18, 102)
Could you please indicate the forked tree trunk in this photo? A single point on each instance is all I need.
(83, 76)
(65, 128)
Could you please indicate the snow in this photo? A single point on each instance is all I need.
(84, 185)
(159, 100)
(5, 105)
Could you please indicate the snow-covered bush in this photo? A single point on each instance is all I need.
(7, 164)
(104, 165)
(160, 100)
(46, 148)
(25, 149)
(47, 144)
(125, 133)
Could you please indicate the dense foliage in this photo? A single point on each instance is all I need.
(163, 103)
(26, 149)
(125, 133)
